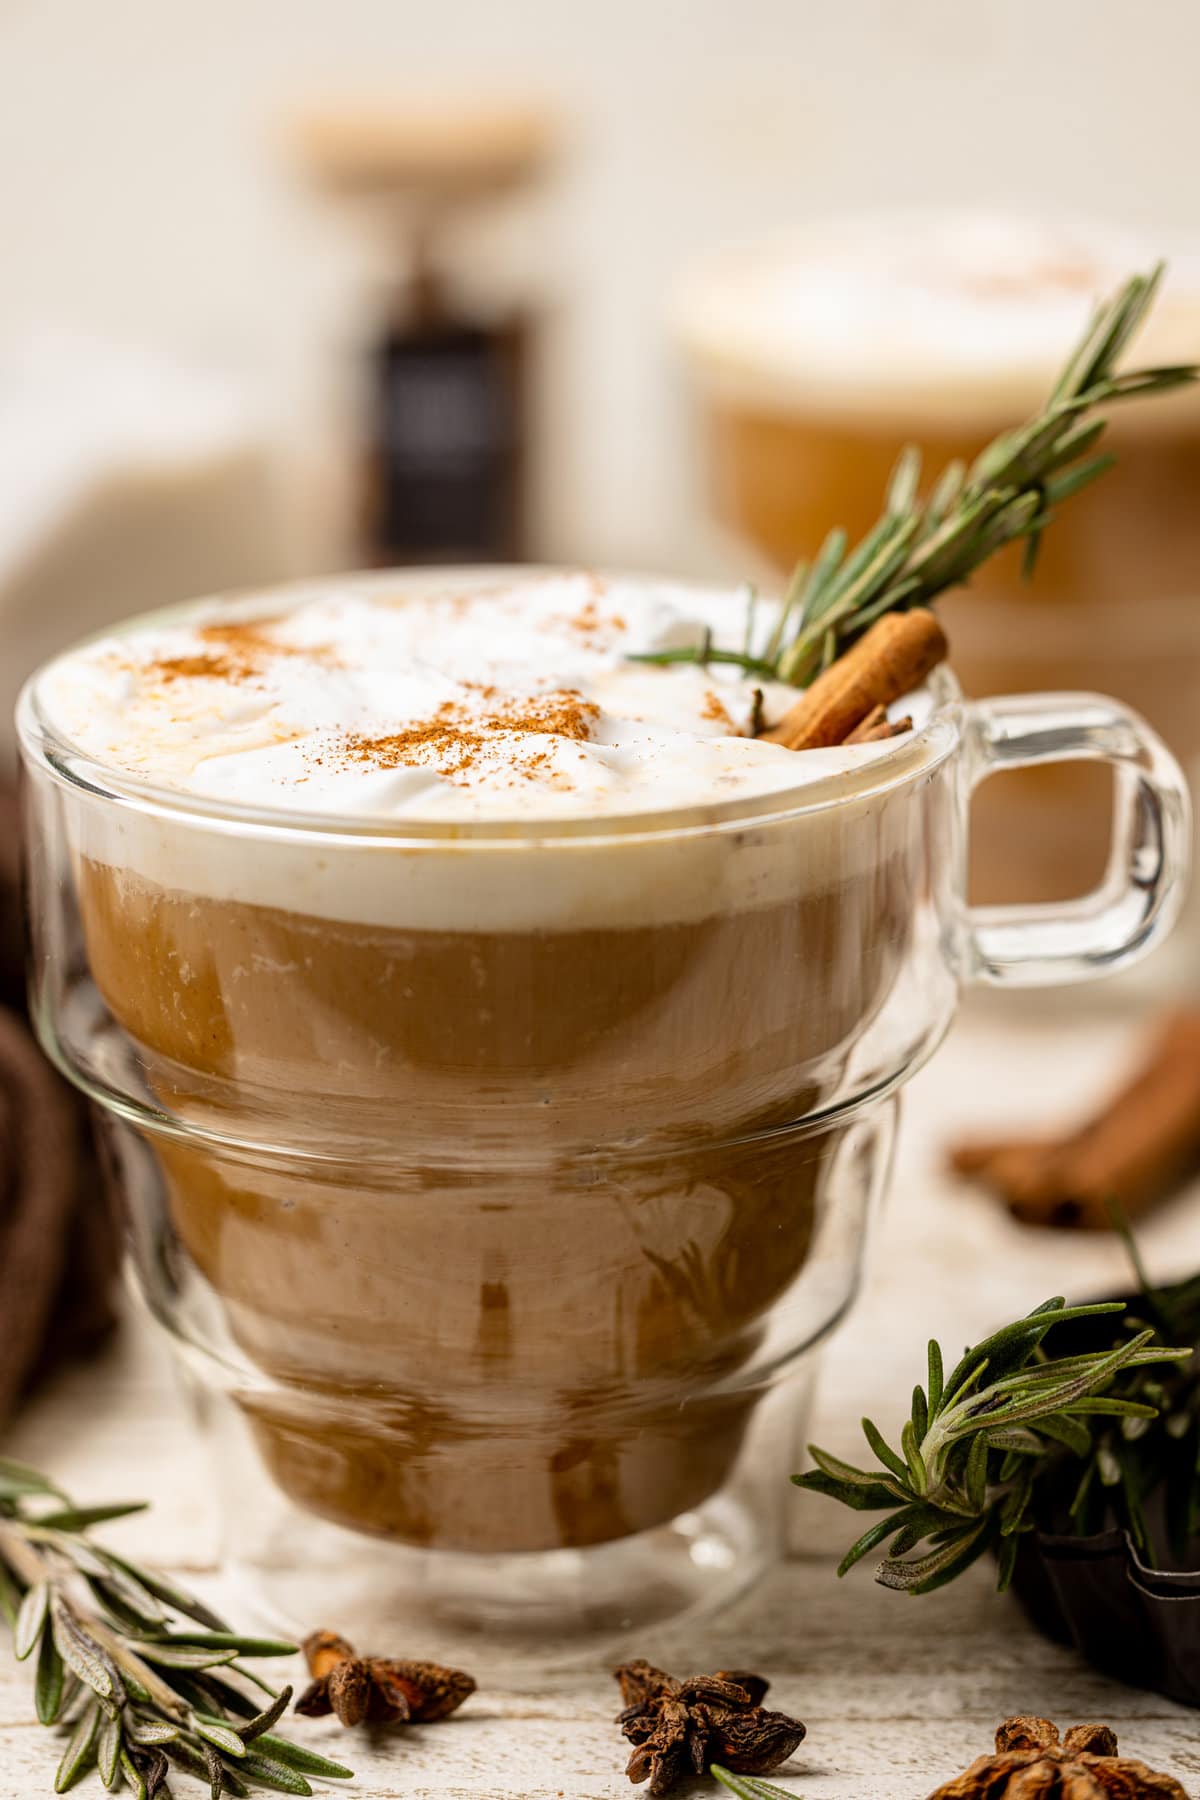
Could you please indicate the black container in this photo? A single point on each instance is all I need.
(1095, 1593)
(1140, 1625)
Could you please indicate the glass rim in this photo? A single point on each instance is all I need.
(45, 745)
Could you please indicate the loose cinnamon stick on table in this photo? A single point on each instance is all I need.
(889, 660)
(1133, 1151)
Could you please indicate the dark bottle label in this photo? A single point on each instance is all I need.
(445, 461)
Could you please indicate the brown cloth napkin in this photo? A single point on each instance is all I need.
(12, 970)
(59, 1238)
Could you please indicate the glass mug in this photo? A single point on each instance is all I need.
(495, 1183)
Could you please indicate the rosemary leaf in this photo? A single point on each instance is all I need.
(222, 1737)
(80, 1753)
(218, 1774)
(295, 1756)
(154, 1769)
(108, 1754)
(134, 1593)
(1006, 1562)
(926, 1573)
(18, 1479)
(75, 1701)
(80, 1518)
(74, 1547)
(133, 1775)
(1011, 1347)
(229, 1640)
(912, 1454)
(902, 486)
(747, 1787)
(1064, 1428)
(273, 1774)
(263, 1721)
(877, 1534)
(869, 1498)
(975, 1472)
(920, 1413)
(10, 1597)
(250, 1675)
(846, 1472)
(125, 1617)
(884, 1451)
(145, 1730)
(821, 575)
(206, 1766)
(692, 653)
(737, 1784)
(936, 1380)
(750, 593)
(1105, 1404)
(31, 1619)
(48, 1681)
(211, 1692)
(171, 1594)
(182, 1656)
(83, 1655)
(1012, 1509)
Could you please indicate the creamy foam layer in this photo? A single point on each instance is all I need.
(454, 699)
(476, 698)
(925, 316)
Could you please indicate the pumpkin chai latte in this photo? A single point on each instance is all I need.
(551, 1048)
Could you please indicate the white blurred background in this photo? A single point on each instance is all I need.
(147, 194)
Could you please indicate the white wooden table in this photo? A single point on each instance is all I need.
(897, 1693)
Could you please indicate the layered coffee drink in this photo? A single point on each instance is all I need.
(501, 1005)
(820, 356)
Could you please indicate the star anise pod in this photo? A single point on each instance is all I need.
(377, 1690)
(1031, 1761)
(679, 1727)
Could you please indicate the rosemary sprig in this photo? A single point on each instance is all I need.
(748, 1787)
(980, 1442)
(920, 547)
(137, 1673)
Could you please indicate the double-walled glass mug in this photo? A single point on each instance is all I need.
(496, 1182)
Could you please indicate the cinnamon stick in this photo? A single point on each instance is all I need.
(1134, 1150)
(877, 726)
(889, 660)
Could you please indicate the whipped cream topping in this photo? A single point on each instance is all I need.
(437, 697)
(929, 315)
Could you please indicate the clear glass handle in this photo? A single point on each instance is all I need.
(1144, 884)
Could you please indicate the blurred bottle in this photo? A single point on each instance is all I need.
(821, 356)
(445, 416)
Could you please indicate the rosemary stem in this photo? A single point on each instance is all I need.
(132, 1663)
(33, 1567)
(21, 1556)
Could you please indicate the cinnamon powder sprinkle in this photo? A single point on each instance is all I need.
(241, 650)
(456, 737)
(715, 709)
(188, 668)
(590, 622)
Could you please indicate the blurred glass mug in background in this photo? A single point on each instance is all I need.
(820, 356)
